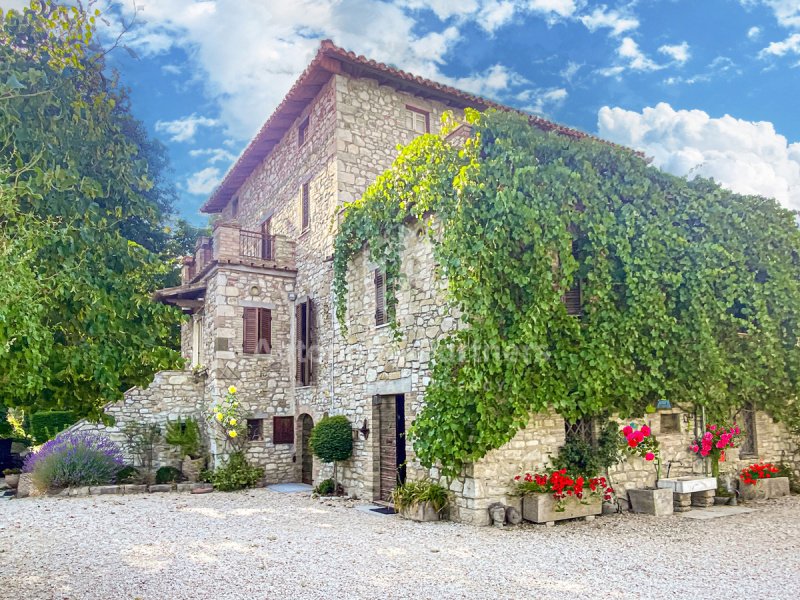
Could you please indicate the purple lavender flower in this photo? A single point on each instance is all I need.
(70, 458)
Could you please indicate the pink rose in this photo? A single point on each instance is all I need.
(708, 436)
(704, 452)
(627, 430)
(637, 436)
(712, 427)
(649, 456)
(736, 430)
(695, 448)
(720, 444)
(645, 430)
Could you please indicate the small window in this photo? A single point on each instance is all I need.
(257, 331)
(417, 120)
(749, 445)
(302, 132)
(572, 298)
(255, 430)
(283, 430)
(381, 308)
(235, 207)
(305, 208)
(670, 423)
(304, 323)
(582, 429)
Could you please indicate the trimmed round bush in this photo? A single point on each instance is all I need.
(168, 475)
(332, 439)
(74, 459)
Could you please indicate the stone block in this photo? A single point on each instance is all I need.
(79, 491)
(134, 489)
(541, 508)
(689, 484)
(99, 490)
(651, 502)
(183, 487)
(161, 487)
(779, 486)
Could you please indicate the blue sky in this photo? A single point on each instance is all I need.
(707, 87)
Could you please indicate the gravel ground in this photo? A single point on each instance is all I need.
(265, 545)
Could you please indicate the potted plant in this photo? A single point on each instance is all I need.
(420, 500)
(556, 495)
(12, 477)
(185, 435)
(640, 442)
(761, 481)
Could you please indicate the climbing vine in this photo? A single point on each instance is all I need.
(689, 292)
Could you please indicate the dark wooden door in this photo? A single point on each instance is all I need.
(392, 444)
(305, 449)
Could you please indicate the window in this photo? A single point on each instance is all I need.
(304, 323)
(235, 207)
(582, 429)
(748, 446)
(283, 430)
(381, 308)
(305, 209)
(670, 423)
(417, 120)
(257, 331)
(302, 132)
(255, 430)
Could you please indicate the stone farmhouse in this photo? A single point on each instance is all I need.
(260, 303)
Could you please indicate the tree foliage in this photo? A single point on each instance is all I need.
(690, 292)
(81, 222)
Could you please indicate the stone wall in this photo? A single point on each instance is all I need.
(171, 395)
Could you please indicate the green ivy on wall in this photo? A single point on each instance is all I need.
(689, 292)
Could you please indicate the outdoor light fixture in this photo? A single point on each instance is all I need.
(365, 430)
(292, 296)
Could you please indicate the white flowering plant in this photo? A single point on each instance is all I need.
(226, 416)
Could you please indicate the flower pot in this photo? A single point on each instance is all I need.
(656, 502)
(542, 508)
(191, 467)
(688, 484)
(421, 511)
(12, 480)
(773, 487)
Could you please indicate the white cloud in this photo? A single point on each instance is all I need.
(544, 100)
(601, 17)
(494, 15)
(203, 182)
(570, 70)
(745, 156)
(789, 45)
(677, 52)
(636, 59)
(172, 69)
(444, 9)
(562, 8)
(754, 33)
(214, 155)
(184, 129)
(496, 78)
(787, 12)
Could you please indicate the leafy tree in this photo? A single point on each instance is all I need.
(689, 292)
(79, 226)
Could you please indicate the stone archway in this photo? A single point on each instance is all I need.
(305, 424)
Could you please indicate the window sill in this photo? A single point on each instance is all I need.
(382, 325)
(304, 387)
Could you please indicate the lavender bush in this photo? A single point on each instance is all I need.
(74, 459)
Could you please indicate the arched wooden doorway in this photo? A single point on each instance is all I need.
(307, 459)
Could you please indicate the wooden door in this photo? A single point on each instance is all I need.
(392, 444)
(307, 423)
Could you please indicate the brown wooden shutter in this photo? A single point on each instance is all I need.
(572, 299)
(283, 430)
(380, 297)
(250, 331)
(298, 315)
(264, 331)
(309, 340)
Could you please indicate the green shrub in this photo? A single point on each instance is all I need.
(236, 474)
(74, 459)
(332, 439)
(785, 470)
(416, 492)
(46, 425)
(185, 435)
(12, 471)
(128, 474)
(6, 430)
(326, 487)
(579, 457)
(168, 475)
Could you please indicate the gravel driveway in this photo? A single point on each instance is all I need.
(266, 545)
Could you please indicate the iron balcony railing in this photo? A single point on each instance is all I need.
(253, 244)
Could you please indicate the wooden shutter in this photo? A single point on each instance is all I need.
(306, 208)
(283, 430)
(264, 331)
(298, 363)
(572, 299)
(250, 331)
(308, 341)
(380, 297)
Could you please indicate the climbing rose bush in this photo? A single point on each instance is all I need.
(74, 459)
(226, 415)
(753, 473)
(715, 441)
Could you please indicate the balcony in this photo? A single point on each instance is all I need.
(232, 245)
